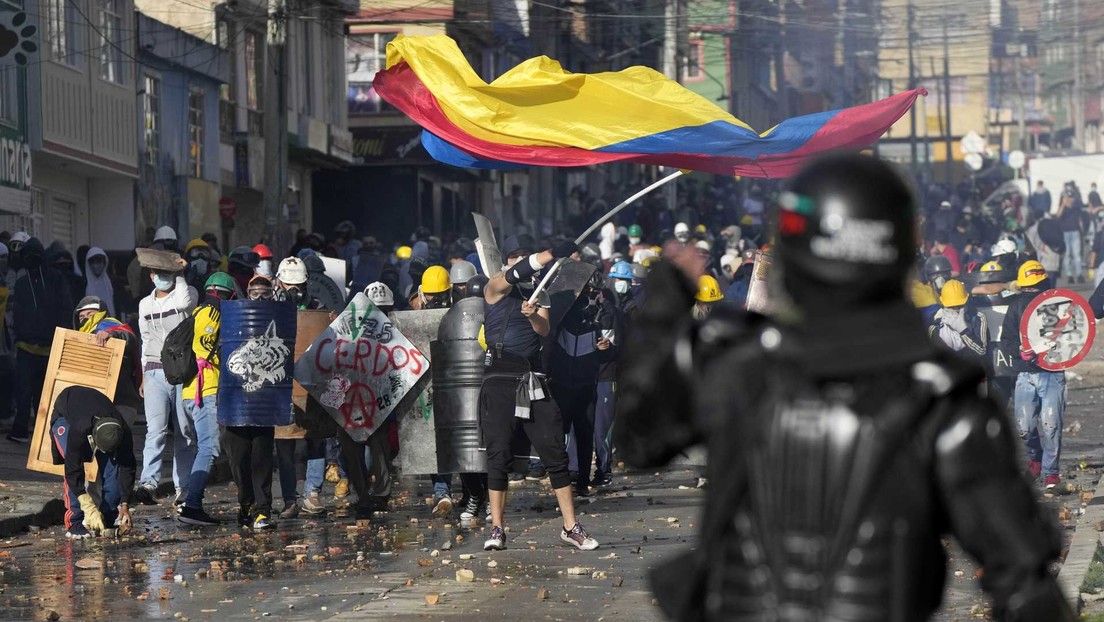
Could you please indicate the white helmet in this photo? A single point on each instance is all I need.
(292, 271)
(164, 233)
(682, 231)
(380, 294)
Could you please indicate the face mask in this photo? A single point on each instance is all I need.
(682, 237)
(292, 295)
(621, 287)
(939, 282)
(265, 268)
(32, 262)
(634, 241)
(163, 283)
(700, 312)
(199, 266)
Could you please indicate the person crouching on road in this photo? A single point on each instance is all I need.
(515, 392)
(87, 426)
(958, 325)
(201, 395)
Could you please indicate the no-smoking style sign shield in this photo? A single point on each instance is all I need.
(1059, 326)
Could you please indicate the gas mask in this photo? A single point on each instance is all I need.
(434, 301)
(938, 281)
(293, 294)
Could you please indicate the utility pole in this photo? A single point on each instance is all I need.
(275, 124)
(948, 158)
(1078, 90)
(912, 84)
(1023, 104)
(673, 70)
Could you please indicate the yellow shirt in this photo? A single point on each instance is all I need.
(205, 345)
(923, 295)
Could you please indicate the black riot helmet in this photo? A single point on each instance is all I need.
(846, 233)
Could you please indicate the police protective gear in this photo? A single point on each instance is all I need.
(292, 271)
(435, 280)
(380, 294)
(1031, 273)
(845, 233)
(461, 272)
(621, 270)
(953, 294)
(708, 289)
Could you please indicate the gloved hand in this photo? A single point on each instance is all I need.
(564, 249)
(93, 519)
(954, 319)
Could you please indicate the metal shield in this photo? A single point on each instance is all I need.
(457, 382)
(1059, 325)
(486, 246)
(415, 412)
(256, 342)
(758, 297)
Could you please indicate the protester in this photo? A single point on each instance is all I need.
(86, 426)
(7, 354)
(265, 266)
(201, 402)
(709, 293)
(516, 393)
(91, 316)
(40, 304)
(1070, 217)
(168, 305)
(98, 281)
(958, 327)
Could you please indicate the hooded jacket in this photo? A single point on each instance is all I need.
(42, 302)
(99, 286)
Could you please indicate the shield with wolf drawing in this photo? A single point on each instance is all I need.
(256, 362)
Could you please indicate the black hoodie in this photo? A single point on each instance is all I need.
(41, 301)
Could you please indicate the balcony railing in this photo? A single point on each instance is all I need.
(256, 123)
(227, 120)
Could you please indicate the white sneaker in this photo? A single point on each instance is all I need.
(579, 538)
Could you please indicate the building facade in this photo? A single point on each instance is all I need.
(16, 170)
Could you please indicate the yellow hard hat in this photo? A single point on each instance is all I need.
(953, 294)
(435, 280)
(708, 289)
(1031, 273)
(196, 243)
(701, 229)
(404, 252)
(657, 250)
(991, 266)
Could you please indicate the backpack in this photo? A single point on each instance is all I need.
(177, 357)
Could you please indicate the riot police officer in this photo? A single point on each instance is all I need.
(842, 443)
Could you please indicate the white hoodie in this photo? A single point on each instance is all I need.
(608, 235)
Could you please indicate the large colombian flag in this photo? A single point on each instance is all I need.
(537, 114)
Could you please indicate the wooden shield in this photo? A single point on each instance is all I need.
(309, 325)
(75, 359)
(1058, 325)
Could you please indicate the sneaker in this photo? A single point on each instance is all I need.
(78, 532)
(291, 510)
(574, 476)
(22, 439)
(341, 490)
(263, 523)
(536, 474)
(497, 541)
(703, 482)
(379, 504)
(473, 508)
(144, 494)
(244, 517)
(579, 538)
(311, 504)
(1051, 482)
(333, 475)
(513, 479)
(443, 507)
(1034, 469)
(196, 516)
(603, 479)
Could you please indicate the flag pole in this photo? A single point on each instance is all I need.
(601, 221)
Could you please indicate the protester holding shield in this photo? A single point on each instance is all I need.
(515, 391)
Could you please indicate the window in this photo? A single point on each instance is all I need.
(151, 114)
(111, 26)
(695, 61)
(9, 96)
(195, 132)
(61, 41)
(222, 33)
(365, 55)
(254, 69)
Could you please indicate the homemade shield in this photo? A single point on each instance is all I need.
(336, 269)
(486, 246)
(758, 297)
(360, 368)
(309, 325)
(457, 381)
(566, 287)
(1059, 326)
(1000, 360)
(256, 341)
(416, 412)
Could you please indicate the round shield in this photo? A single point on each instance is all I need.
(1058, 324)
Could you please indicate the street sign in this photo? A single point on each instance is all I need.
(972, 142)
(974, 161)
(1058, 325)
(1017, 159)
(228, 208)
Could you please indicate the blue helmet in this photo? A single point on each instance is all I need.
(621, 270)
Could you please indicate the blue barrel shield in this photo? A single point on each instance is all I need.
(256, 350)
